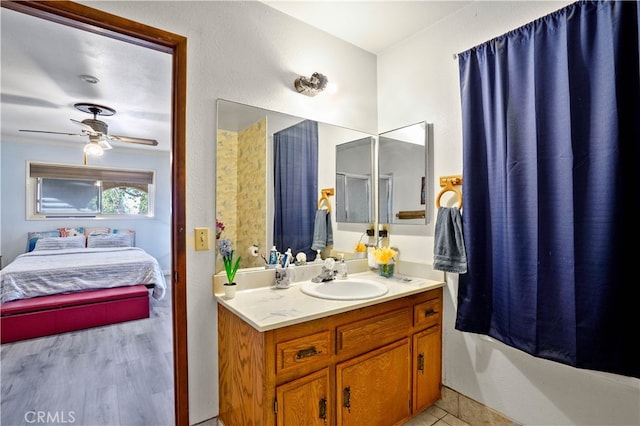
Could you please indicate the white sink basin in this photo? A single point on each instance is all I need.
(349, 289)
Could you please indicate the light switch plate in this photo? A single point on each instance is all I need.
(202, 238)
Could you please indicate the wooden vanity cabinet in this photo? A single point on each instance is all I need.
(375, 388)
(377, 365)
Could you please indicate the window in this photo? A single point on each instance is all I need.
(56, 190)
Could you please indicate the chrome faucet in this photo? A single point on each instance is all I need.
(326, 274)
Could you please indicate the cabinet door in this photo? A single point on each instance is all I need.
(427, 368)
(374, 388)
(305, 401)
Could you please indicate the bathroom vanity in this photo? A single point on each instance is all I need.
(287, 358)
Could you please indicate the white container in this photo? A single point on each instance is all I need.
(230, 291)
(283, 277)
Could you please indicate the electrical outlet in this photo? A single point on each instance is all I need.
(202, 238)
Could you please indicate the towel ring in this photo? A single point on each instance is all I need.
(324, 199)
(449, 187)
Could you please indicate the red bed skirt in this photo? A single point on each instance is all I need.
(47, 315)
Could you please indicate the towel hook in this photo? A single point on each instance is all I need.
(447, 182)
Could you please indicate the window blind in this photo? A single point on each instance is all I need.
(61, 171)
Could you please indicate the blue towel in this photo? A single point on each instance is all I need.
(322, 230)
(449, 253)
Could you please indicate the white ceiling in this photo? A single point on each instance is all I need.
(41, 67)
(370, 25)
(42, 63)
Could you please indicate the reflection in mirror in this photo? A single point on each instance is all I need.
(354, 181)
(404, 180)
(245, 195)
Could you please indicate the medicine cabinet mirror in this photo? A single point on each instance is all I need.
(405, 179)
(354, 181)
(245, 174)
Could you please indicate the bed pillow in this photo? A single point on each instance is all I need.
(96, 231)
(59, 243)
(71, 232)
(33, 237)
(109, 240)
(131, 232)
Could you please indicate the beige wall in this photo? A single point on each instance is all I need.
(241, 190)
(252, 210)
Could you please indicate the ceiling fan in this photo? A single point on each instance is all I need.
(97, 130)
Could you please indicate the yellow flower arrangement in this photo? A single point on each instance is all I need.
(384, 255)
(360, 248)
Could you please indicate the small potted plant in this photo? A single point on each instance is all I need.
(230, 267)
(385, 258)
(360, 250)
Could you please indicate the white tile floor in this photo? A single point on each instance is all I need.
(432, 416)
(435, 416)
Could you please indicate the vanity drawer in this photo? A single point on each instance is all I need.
(373, 332)
(427, 313)
(303, 351)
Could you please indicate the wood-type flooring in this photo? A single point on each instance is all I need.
(116, 375)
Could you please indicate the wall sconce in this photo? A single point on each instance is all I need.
(313, 85)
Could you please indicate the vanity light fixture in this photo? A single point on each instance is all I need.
(313, 85)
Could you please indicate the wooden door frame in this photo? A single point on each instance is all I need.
(103, 23)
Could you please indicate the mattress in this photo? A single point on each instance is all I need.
(46, 272)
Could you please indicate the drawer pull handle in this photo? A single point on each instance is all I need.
(305, 353)
(346, 396)
(421, 363)
(323, 409)
(430, 313)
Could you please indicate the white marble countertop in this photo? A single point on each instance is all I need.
(268, 308)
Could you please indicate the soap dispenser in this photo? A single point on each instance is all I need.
(342, 268)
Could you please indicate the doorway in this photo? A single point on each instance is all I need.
(99, 22)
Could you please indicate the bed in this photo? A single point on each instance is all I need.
(71, 283)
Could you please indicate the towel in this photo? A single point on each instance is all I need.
(322, 230)
(449, 254)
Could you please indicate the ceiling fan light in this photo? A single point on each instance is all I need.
(93, 149)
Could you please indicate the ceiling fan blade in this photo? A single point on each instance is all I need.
(84, 127)
(141, 141)
(55, 133)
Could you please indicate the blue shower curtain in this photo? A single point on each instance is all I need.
(296, 186)
(551, 136)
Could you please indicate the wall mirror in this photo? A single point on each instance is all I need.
(354, 181)
(245, 175)
(405, 178)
